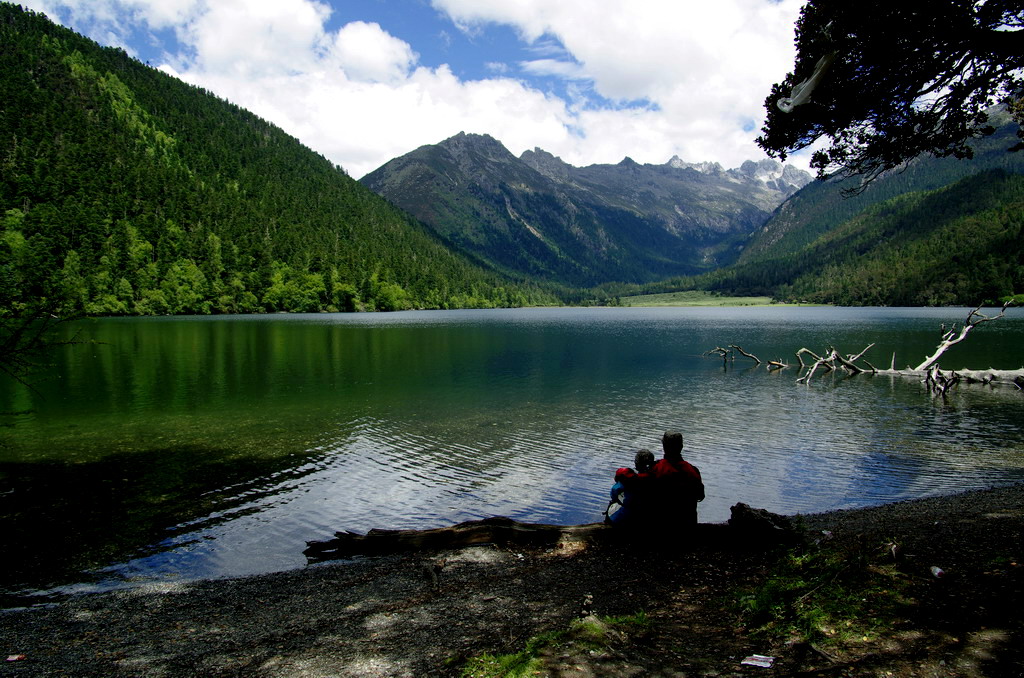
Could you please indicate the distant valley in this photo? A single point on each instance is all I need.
(536, 216)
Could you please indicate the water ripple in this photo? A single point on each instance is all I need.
(423, 420)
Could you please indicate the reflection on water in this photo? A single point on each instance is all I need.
(206, 447)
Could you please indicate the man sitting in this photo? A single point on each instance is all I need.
(677, 485)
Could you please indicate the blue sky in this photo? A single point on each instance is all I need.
(363, 81)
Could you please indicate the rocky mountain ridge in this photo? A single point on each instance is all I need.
(539, 216)
(786, 179)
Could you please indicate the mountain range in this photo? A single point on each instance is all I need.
(935, 232)
(539, 217)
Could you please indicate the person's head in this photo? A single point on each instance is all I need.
(672, 443)
(643, 461)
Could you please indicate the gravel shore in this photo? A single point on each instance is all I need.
(423, 614)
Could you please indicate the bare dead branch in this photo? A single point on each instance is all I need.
(809, 352)
(855, 358)
(821, 362)
(745, 354)
(937, 381)
(954, 336)
(724, 352)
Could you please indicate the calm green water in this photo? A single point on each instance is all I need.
(196, 447)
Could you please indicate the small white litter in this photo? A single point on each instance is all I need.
(759, 660)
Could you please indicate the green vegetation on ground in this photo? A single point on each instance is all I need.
(831, 595)
(692, 298)
(828, 595)
(587, 634)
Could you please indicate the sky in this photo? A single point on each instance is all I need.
(365, 81)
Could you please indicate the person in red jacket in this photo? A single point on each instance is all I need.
(677, 484)
(634, 492)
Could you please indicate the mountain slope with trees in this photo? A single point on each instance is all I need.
(824, 205)
(126, 191)
(957, 245)
(960, 245)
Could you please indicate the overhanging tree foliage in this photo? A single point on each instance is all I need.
(884, 82)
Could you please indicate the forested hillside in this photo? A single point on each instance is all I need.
(823, 205)
(126, 191)
(961, 244)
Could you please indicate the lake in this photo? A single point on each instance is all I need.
(189, 447)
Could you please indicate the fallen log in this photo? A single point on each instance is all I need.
(497, 530)
(724, 352)
(938, 381)
(746, 527)
(743, 353)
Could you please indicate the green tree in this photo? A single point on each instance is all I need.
(73, 283)
(884, 81)
(212, 264)
(392, 297)
(293, 290)
(184, 288)
(344, 294)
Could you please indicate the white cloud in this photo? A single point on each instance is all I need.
(111, 21)
(365, 52)
(555, 67)
(164, 14)
(704, 67)
(254, 40)
(359, 95)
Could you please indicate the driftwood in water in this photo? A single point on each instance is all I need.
(724, 352)
(833, 361)
(938, 381)
(753, 527)
(727, 355)
(771, 364)
(954, 336)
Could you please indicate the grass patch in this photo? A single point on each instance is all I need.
(523, 663)
(832, 595)
(590, 633)
(694, 298)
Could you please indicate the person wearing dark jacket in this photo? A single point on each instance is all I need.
(677, 484)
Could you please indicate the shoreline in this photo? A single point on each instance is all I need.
(425, 613)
